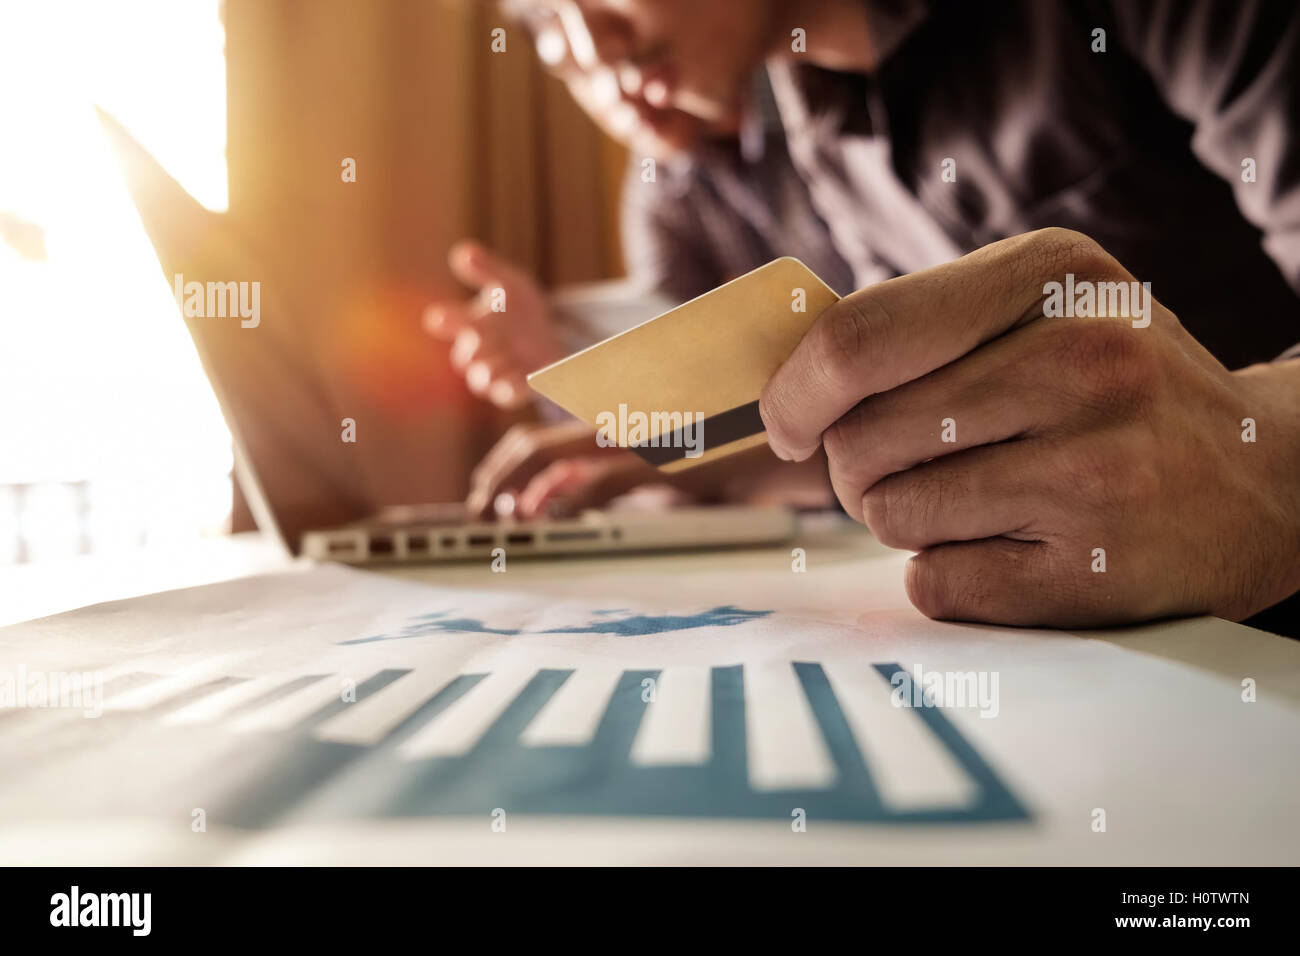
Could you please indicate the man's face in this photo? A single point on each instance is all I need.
(694, 56)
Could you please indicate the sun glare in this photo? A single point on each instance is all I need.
(110, 433)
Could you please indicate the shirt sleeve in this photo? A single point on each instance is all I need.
(1232, 69)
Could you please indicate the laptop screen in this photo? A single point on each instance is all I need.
(257, 353)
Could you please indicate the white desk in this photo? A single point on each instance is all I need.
(1146, 724)
(29, 591)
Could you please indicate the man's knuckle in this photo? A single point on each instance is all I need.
(856, 325)
(1067, 250)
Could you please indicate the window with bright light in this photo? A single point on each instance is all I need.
(109, 433)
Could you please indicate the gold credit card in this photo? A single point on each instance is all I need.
(682, 389)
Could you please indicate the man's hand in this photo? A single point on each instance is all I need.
(500, 335)
(560, 469)
(552, 469)
(1049, 471)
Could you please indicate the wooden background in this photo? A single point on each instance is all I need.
(450, 140)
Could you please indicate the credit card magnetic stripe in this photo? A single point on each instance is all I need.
(707, 434)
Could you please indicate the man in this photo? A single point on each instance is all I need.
(724, 200)
(1052, 463)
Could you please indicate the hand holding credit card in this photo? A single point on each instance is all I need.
(682, 389)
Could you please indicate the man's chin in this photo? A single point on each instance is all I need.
(661, 149)
(668, 139)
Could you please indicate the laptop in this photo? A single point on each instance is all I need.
(303, 485)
